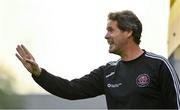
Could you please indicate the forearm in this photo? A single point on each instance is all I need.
(53, 84)
(76, 89)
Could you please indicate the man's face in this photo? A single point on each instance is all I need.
(116, 38)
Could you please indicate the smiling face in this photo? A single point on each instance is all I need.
(116, 38)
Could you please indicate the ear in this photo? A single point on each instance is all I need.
(129, 33)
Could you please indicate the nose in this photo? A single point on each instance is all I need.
(107, 36)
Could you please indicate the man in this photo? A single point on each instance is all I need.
(139, 79)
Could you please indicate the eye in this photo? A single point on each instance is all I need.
(110, 30)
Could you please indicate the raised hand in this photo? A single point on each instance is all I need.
(27, 60)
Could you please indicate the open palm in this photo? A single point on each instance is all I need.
(27, 60)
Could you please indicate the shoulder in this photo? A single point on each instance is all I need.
(157, 57)
(113, 63)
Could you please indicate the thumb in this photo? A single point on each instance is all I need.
(36, 70)
(31, 61)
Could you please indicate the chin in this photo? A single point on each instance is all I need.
(111, 51)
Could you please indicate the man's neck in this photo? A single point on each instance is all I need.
(131, 53)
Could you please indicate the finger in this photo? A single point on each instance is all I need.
(20, 58)
(26, 51)
(21, 51)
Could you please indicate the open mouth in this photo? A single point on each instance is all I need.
(110, 42)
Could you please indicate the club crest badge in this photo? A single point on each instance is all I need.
(143, 80)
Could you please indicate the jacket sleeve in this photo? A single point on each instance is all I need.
(170, 86)
(90, 85)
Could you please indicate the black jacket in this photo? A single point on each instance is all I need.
(146, 82)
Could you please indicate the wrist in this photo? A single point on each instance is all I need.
(38, 72)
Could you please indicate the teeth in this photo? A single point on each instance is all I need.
(109, 42)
